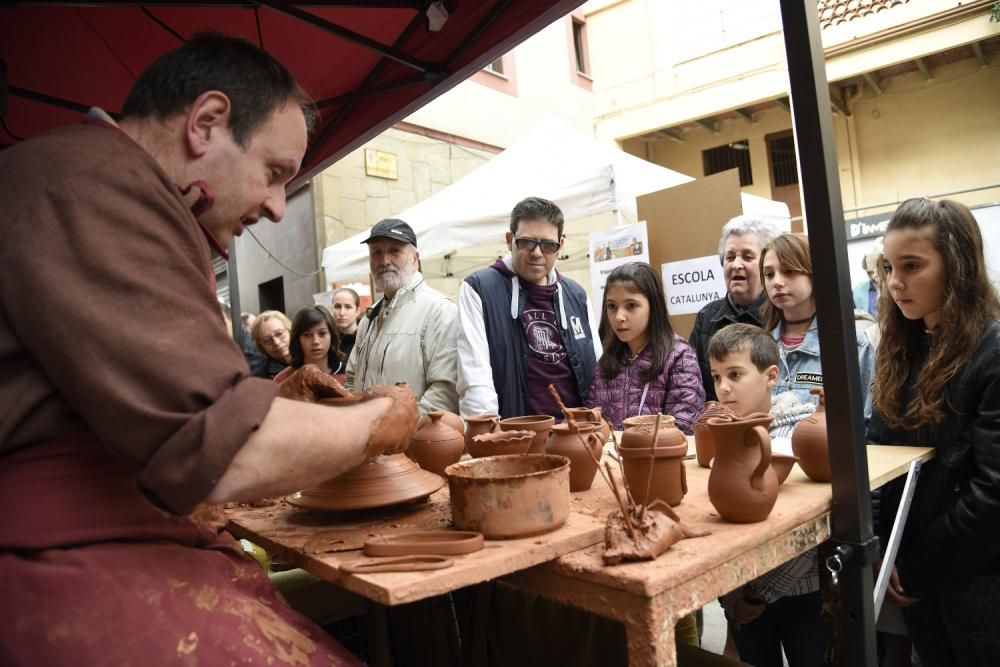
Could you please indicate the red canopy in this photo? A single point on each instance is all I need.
(367, 64)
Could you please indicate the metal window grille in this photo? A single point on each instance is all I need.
(783, 162)
(723, 158)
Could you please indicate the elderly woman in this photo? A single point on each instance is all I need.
(743, 238)
(271, 333)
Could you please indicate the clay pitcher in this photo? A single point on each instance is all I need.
(669, 478)
(742, 485)
(593, 416)
(480, 425)
(809, 443)
(703, 443)
(437, 445)
(582, 465)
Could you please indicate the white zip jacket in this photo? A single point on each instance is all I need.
(412, 339)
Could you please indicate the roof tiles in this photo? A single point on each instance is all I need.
(835, 12)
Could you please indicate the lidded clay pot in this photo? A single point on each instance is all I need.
(742, 485)
(582, 447)
(592, 416)
(449, 418)
(540, 424)
(809, 443)
(479, 425)
(501, 443)
(669, 478)
(437, 445)
(703, 443)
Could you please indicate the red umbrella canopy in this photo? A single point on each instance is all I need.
(368, 64)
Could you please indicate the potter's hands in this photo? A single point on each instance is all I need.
(741, 608)
(894, 591)
(392, 429)
(310, 384)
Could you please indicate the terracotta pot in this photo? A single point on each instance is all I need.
(783, 464)
(742, 485)
(669, 478)
(582, 465)
(449, 418)
(385, 481)
(479, 425)
(703, 443)
(540, 424)
(437, 445)
(510, 496)
(592, 416)
(501, 443)
(809, 442)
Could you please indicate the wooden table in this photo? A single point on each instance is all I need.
(649, 598)
(566, 564)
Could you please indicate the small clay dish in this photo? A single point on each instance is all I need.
(501, 443)
(440, 542)
(782, 464)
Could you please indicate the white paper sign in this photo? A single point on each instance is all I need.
(611, 249)
(691, 284)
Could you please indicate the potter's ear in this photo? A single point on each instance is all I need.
(207, 116)
(772, 376)
(510, 240)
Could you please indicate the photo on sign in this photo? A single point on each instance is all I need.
(612, 248)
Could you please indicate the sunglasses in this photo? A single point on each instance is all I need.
(529, 245)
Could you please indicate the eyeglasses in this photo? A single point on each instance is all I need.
(275, 338)
(529, 245)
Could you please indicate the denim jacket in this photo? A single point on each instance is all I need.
(801, 371)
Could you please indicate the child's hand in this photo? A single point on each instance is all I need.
(745, 608)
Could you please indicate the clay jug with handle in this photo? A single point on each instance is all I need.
(809, 443)
(480, 425)
(575, 446)
(742, 485)
(668, 479)
(593, 416)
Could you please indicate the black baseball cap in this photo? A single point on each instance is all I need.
(392, 228)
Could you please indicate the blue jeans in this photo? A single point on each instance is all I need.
(793, 623)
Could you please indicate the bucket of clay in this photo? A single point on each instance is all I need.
(505, 497)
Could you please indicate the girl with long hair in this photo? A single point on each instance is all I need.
(937, 383)
(346, 310)
(646, 368)
(790, 315)
(313, 341)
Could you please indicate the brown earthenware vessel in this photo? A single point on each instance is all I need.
(593, 416)
(669, 478)
(783, 464)
(437, 445)
(501, 443)
(582, 465)
(809, 443)
(478, 425)
(449, 418)
(510, 496)
(703, 444)
(742, 485)
(540, 424)
(387, 480)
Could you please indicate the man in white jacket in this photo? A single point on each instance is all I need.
(409, 335)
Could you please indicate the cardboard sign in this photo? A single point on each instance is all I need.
(612, 249)
(691, 284)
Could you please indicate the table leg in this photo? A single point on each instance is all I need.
(379, 621)
(650, 636)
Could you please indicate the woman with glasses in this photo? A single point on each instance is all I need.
(271, 333)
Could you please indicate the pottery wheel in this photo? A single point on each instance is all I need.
(388, 480)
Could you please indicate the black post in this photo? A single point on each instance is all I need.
(853, 544)
(234, 294)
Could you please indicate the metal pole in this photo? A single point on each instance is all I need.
(852, 538)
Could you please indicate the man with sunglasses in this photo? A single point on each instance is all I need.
(523, 326)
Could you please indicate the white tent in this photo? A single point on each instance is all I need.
(583, 176)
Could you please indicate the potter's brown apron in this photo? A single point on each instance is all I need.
(92, 573)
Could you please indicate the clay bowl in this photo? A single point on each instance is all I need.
(506, 497)
(782, 464)
(500, 443)
(540, 424)
(387, 480)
